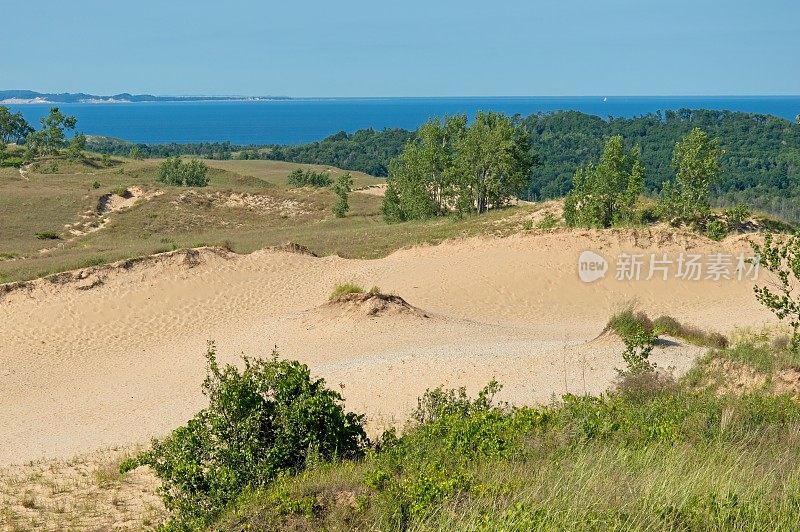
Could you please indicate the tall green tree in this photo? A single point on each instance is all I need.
(421, 177)
(76, 146)
(13, 127)
(342, 187)
(52, 136)
(696, 161)
(492, 163)
(605, 194)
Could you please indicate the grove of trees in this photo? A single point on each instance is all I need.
(453, 165)
(605, 194)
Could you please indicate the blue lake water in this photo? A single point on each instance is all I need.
(308, 120)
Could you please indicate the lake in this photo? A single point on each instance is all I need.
(307, 120)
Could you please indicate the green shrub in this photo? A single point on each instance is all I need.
(736, 216)
(270, 418)
(47, 235)
(344, 289)
(308, 178)
(716, 230)
(548, 221)
(637, 332)
(96, 185)
(174, 171)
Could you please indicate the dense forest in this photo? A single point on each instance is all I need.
(760, 164)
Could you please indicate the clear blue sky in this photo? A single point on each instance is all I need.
(403, 48)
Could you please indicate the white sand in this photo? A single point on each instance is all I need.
(123, 361)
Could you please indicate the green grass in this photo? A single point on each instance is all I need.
(344, 289)
(627, 323)
(173, 220)
(694, 335)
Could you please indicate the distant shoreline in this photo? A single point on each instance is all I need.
(27, 97)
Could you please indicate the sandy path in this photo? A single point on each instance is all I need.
(121, 362)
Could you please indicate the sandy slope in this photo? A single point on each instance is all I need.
(121, 359)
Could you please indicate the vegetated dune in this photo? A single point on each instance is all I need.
(114, 355)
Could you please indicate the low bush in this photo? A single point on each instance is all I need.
(548, 221)
(688, 460)
(175, 172)
(269, 419)
(47, 235)
(308, 178)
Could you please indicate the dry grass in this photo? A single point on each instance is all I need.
(86, 492)
(245, 208)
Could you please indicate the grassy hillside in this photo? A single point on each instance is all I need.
(247, 206)
(652, 455)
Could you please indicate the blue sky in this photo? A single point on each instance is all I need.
(403, 48)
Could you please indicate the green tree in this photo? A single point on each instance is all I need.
(51, 137)
(76, 146)
(269, 418)
(492, 162)
(605, 194)
(135, 153)
(420, 178)
(696, 161)
(342, 187)
(13, 127)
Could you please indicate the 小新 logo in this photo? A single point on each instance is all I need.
(591, 267)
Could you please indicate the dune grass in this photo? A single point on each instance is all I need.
(345, 289)
(694, 335)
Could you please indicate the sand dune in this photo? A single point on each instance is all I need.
(112, 356)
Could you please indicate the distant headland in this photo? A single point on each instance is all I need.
(19, 97)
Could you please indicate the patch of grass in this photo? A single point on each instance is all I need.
(628, 322)
(121, 191)
(29, 501)
(344, 289)
(761, 356)
(694, 335)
